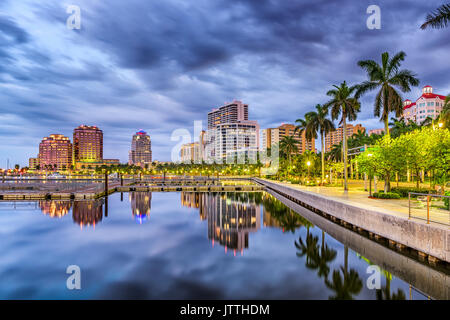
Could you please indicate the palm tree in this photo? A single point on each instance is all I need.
(288, 145)
(398, 127)
(318, 122)
(387, 77)
(439, 18)
(445, 113)
(302, 125)
(335, 153)
(346, 105)
(326, 256)
(344, 287)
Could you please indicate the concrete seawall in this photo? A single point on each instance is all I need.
(430, 239)
(430, 281)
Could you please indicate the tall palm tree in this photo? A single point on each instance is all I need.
(439, 18)
(318, 122)
(387, 77)
(288, 145)
(343, 104)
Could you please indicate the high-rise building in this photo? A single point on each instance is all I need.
(272, 136)
(336, 136)
(55, 153)
(427, 105)
(236, 141)
(191, 153)
(228, 113)
(33, 163)
(87, 144)
(141, 149)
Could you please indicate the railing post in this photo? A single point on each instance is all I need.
(409, 205)
(106, 184)
(428, 209)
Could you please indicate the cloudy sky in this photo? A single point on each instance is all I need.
(161, 65)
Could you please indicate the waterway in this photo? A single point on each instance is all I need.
(186, 245)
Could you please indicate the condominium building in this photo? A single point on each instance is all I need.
(427, 105)
(55, 153)
(33, 163)
(141, 149)
(191, 153)
(237, 141)
(272, 136)
(228, 113)
(336, 136)
(87, 144)
(376, 131)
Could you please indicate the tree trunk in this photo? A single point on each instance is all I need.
(417, 179)
(344, 116)
(323, 159)
(387, 183)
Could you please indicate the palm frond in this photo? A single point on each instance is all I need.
(439, 18)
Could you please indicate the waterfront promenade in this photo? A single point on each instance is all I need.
(383, 218)
(398, 207)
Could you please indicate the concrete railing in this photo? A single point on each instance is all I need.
(430, 239)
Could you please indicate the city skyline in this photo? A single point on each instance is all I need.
(126, 76)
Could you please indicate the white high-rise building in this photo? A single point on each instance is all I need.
(236, 141)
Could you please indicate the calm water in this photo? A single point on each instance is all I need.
(177, 246)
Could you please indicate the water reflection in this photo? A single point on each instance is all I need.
(231, 216)
(88, 213)
(303, 255)
(55, 209)
(141, 203)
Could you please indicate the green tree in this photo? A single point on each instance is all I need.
(388, 79)
(288, 145)
(439, 18)
(343, 104)
(318, 122)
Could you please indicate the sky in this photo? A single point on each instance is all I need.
(161, 65)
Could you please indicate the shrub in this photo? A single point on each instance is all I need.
(403, 191)
(388, 195)
(447, 200)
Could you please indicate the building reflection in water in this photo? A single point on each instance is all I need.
(88, 213)
(55, 209)
(141, 203)
(231, 216)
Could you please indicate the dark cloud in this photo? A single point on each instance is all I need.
(160, 65)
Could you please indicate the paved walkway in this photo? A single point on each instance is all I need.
(399, 207)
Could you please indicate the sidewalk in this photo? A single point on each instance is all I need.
(399, 207)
